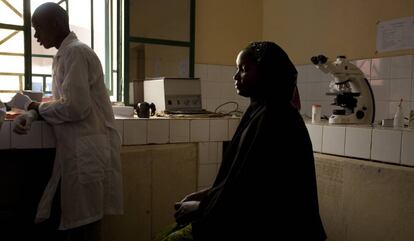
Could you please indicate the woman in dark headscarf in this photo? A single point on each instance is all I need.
(266, 185)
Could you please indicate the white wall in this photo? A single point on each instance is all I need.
(391, 78)
(217, 87)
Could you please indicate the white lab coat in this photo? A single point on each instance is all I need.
(87, 144)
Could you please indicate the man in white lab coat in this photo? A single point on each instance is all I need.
(86, 174)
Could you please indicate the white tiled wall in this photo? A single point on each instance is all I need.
(333, 141)
(158, 131)
(199, 130)
(217, 88)
(386, 145)
(315, 133)
(210, 134)
(391, 79)
(179, 131)
(209, 160)
(358, 142)
(135, 132)
(218, 130)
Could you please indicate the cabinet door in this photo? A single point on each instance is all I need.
(155, 177)
(135, 223)
(174, 169)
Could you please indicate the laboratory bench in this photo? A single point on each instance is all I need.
(163, 159)
(361, 171)
(133, 131)
(367, 142)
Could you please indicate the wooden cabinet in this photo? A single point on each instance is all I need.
(155, 176)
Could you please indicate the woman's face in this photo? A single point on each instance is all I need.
(246, 77)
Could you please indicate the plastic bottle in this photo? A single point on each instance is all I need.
(316, 113)
(399, 117)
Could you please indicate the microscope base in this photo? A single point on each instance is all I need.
(346, 119)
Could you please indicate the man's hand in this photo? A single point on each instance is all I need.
(23, 122)
(20, 101)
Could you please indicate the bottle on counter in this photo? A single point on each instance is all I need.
(399, 116)
(316, 113)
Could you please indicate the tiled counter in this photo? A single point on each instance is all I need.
(209, 133)
(373, 143)
(134, 131)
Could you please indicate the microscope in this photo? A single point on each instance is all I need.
(352, 91)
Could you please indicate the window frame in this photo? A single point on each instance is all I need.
(135, 39)
(19, 28)
(109, 38)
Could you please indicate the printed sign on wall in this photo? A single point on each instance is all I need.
(396, 34)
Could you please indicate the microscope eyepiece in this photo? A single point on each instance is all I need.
(314, 60)
(320, 59)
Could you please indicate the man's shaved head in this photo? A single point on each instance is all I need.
(52, 12)
(51, 23)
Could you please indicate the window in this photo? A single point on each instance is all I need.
(27, 65)
(12, 48)
(159, 42)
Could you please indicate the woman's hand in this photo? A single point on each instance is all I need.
(195, 196)
(187, 212)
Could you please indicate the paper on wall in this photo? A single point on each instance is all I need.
(396, 34)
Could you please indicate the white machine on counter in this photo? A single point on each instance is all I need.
(174, 95)
(353, 92)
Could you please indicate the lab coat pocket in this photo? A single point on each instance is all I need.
(93, 154)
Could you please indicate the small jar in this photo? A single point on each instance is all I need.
(316, 113)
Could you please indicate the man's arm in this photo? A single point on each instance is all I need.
(35, 106)
(75, 101)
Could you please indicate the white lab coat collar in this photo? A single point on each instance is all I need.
(69, 39)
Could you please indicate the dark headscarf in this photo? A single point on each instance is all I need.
(277, 73)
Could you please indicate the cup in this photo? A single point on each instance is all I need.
(316, 113)
(145, 110)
